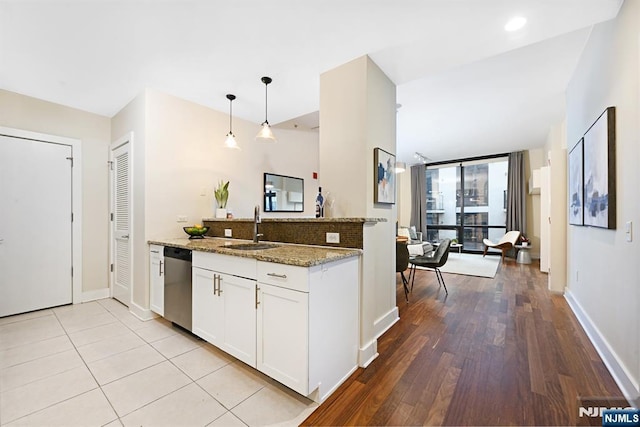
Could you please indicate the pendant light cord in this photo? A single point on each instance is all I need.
(266, 102)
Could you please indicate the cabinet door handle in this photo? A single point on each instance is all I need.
(215, 277)
(257, 302)
(219, 284)
(160, 268)
(280, 276)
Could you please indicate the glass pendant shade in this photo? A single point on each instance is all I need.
(230, 141)
(265, 134)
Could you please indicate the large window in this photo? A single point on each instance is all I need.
(465, 201)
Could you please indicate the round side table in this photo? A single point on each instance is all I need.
(524, 257)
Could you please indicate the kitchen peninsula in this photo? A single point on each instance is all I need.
(287, 310)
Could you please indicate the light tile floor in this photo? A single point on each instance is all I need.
(95, 364)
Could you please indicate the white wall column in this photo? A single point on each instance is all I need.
(358, 114)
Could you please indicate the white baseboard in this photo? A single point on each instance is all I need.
(368, 353)
(329, 392)
(629, 387)
(143, 314)
(383, 323)
(95, 294)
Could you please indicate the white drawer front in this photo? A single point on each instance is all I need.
(284, 276)
(237, 266)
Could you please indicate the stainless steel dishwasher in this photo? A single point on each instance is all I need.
(177, 286)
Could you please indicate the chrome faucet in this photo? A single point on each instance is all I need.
(256, 221)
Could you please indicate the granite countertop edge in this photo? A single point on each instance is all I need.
(358, 220)
(283, 253)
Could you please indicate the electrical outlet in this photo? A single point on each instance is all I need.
(203, 192)
(628, 226)
(333, 237)
(182, 218)
(227, 232)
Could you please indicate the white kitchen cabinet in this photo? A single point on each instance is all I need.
(156, 278)
(238, 297)
(298, 325)
(308, 325)
(207, 309)
(224, 305)
(283, 336)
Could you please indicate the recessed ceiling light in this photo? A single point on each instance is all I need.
(515, 23)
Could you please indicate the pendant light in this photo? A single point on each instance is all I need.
(230, 142)
(265, 134)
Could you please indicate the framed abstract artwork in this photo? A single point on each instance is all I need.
(384, 177)
(576, 187)
(600, 171)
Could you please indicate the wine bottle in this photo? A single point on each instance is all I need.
(319, 204)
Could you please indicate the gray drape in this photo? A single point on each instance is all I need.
(516, 196)
(419, 198)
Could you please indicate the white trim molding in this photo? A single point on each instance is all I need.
(629, 387)
(368, 353)
(95, 294)
(143, 314)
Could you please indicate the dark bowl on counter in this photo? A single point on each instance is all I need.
(196, 232)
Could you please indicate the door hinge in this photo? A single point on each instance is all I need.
(71, 216)
(71, 271)
(111, 216)
(111, 268)
(110, 162)
(70, 158)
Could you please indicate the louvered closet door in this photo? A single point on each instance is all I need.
(121, 224)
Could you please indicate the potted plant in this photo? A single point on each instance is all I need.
(222, 195)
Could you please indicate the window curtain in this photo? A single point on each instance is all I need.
(516, 195)
(419, 198)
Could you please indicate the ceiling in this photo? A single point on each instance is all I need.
(466, 86)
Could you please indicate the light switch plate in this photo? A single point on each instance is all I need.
(333, 237)
(182, 218)
(628, 231)
(227, 232)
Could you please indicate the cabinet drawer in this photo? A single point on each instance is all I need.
(284, 276)
(234, 265)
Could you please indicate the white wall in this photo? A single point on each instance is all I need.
(186, 159)
(604, 272)
(179, 158)
(26, 113)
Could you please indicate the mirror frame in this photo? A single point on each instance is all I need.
(265, 197)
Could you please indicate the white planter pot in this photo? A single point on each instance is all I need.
(221, 213)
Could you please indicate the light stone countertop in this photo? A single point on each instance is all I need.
(310, 219)
(283, 253)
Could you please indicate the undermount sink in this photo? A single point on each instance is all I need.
(251, 246)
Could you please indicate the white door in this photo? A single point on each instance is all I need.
(239, 295)
(35, 225)
(207, 308)
(283, 336)
(121, 222)
(156, 279)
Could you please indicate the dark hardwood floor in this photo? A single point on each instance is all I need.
(502, 351)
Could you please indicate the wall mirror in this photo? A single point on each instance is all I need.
(283, 193)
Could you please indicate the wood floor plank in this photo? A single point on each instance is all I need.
(502, 351)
